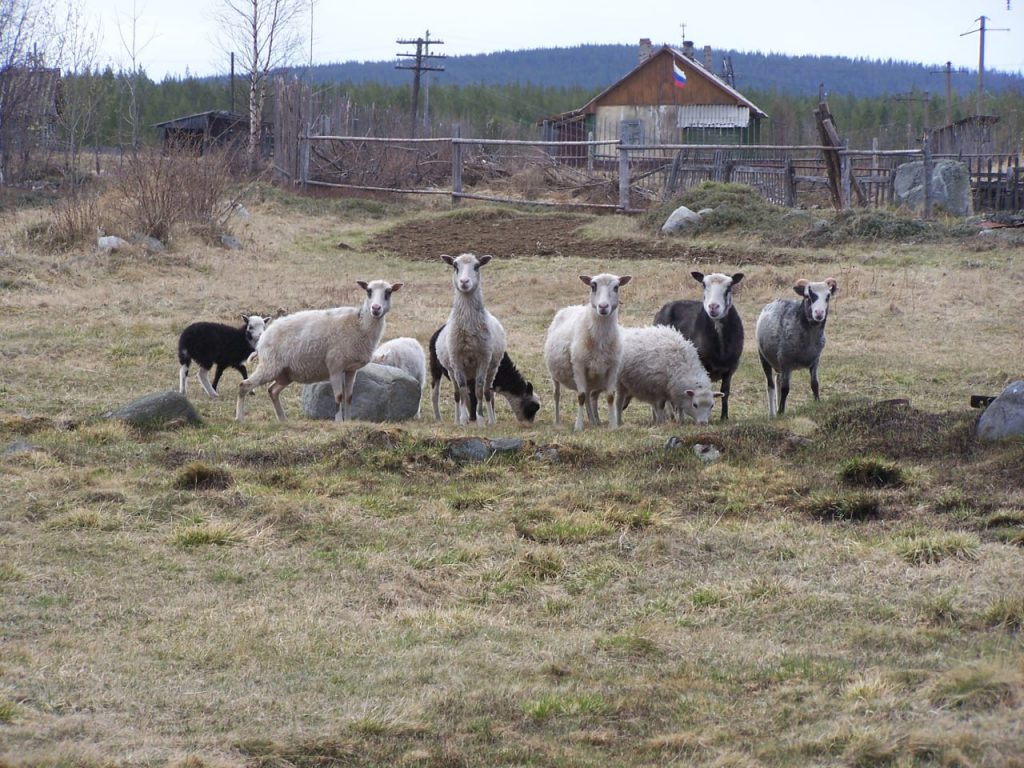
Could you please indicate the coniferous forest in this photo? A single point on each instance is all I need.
(505, 94)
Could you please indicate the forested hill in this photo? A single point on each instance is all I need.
(598, 66)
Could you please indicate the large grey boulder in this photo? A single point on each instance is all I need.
(381, 393)
(153, 411)
(951, 186)
(1004, 416)
(681, 219)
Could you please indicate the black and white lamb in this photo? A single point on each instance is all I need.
(217, 344)
(714, 327)
(508, 382)
(791, 335)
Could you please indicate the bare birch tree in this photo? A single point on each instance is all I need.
(264, 35)
(78, 41)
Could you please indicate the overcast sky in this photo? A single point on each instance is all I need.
(179, 35)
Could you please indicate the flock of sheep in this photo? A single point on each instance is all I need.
(669, 365)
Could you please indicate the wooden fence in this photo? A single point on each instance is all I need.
(623, 177)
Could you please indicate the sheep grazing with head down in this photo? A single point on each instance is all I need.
(508, 382)
(714, 327)
(406, 354)
(320, 345)
(662, 368)
(472, 341)
(217, 344)
(583, 348)
(791, 335)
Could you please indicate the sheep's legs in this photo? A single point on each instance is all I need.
(435, 398)
(342, 383)
(205, 381)
(726, 386)
(183, 379)
(613, 417)
(582, 402)
(769, 374)
(558, 397)
(783, 390)
(814, 379)
(258, 378)
(592, 412)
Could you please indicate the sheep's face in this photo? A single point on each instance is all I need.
(378, 295)
(816, 298)
(254, 328)
(466, 275)
(697, 405)
(525, 406)
(717, 292)
(604, 292)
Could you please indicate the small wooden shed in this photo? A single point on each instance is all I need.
(215, 128)
(669, 98)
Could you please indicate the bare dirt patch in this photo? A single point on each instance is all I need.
(508, 233)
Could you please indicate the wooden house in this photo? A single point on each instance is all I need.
(669, 98)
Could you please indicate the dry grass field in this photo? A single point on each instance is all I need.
(844, 587)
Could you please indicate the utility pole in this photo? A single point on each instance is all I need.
(910, 98)
(948, 71)
(982, 29)
(421, 56)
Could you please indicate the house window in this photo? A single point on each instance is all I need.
(631, 132)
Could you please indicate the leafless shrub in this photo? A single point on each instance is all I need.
(159, 191)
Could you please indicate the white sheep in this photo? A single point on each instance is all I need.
(791, 335)
(406, 354)
(320, 344)
(583, 348)
(662, 367)
(472, 342)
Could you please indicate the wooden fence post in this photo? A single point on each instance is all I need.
(789, 183)
(927, 157)
(623, 177)
(306, 150)
(590, 152)
(845, 172)
(456, 165)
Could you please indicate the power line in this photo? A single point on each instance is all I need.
(981, 55)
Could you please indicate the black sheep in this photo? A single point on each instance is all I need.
(714, 327)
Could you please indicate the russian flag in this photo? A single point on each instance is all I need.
(679, 76)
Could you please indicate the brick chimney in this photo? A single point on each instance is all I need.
(708, 63)
(688, 49)
(646, 49)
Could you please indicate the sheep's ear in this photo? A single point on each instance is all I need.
(363, 284)
(447, 259)
(737, 277)
(625, 279)
(585, 279)
(395, 287)
(801, 287)
(245, 319)
(717, 395)
(690, 393)
(698, 276)
(833, 286)
(267, 319)
(484, 259)
(529, 389)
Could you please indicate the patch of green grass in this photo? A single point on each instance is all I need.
(872, 471)
(9, 573)
(200, 476)
(542, 563)
(930, 547)
(82, 519)
(204, 534)
(708, 597)
(975, 687)
(941, 610)
(558, 704)
(1005, 613)
(629, 644)
(8, 711)
(854, 507)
